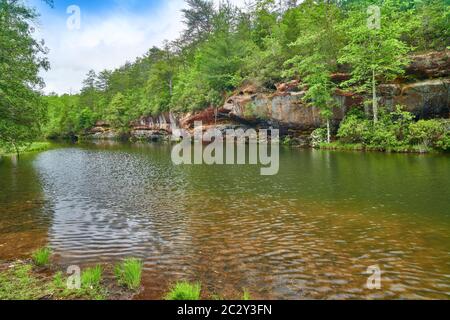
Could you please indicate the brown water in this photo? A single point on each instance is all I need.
(309, 232)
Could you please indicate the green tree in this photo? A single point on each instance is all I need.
(317, 52)
(221, 59)
(160, 84)
(198, 18)
(376, 54)
(119, 113)
(22, 111)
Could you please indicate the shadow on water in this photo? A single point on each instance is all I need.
(309, 232)
(24, 217)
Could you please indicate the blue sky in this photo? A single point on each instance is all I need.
(99, 7)
(111, 33)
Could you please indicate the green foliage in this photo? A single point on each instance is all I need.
(376, 54)
(66, 117)
(444, 142)
(222, 57)
(22, 57)
(91, 277)
(354, 129)
(396, 131)
(129, 273)
(41, 257)
(433, 29)
(160, 84)
(184, 291)
(119, 113)
(33, 147)
(318, 137)
(190, 93)
(430, 133)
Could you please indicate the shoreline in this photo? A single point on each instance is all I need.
(418, 150)
(34, 147)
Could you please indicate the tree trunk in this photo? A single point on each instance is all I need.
(375, 98)
(328, 131)
(16, 148)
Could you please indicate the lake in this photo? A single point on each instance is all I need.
(310, 232)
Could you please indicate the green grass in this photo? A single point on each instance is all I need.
(246, 296)
(34, 147)
(342, 146)
(91, 288)
(41, 257)
(92, 277)
(129, 273)
(58, 280)
(361, 147)
(17, 283)
(184, 291)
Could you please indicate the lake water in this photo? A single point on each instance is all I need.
(310, 232)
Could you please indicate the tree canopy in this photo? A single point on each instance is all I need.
(22, 111)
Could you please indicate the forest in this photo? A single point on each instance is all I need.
(221, 48)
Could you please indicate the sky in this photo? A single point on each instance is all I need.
(110, 33)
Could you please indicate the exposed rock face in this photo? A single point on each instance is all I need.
(102, 131)
(426, 99)
(164, 121)
(430, 65)
(285, 109)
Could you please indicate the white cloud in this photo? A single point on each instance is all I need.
(105, 42)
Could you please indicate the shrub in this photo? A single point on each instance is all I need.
(383, 137)
(399, 121)
(395, 131)
(184, 291)
(355, 130)
(41, 257)
(129, 273)
(430, 133)
(91, 277)
(444, 142)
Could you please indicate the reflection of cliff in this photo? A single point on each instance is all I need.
(424, 91)
(24, 220)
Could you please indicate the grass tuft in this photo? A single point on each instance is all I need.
(41, 257)
(92, 277)
(184, 291)
(246, 296)
(129, 273)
